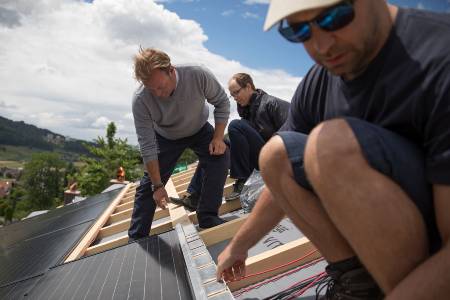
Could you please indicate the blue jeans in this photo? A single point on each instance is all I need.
(245, 144)
(389, 154)
(195, 186)
(215, 174)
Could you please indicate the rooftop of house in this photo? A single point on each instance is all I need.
(81, 250)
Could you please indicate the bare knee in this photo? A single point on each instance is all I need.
(331, 145)
(273, 161)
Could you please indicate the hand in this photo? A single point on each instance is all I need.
(161, 198)
(230, 266)
(217, 147)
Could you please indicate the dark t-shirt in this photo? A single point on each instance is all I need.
(405, 89)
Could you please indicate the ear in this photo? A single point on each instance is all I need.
(171, 71)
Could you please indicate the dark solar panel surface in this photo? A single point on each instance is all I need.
(151, 268)
(63, 217)
(31, 247)
(19, 289)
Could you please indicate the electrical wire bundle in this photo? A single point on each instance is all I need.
(295, 288)
(299, 288)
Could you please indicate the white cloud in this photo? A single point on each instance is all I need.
(101, 122)
(3, 105)
(249, 15)
(171, 1)
(227, 13)
(66, 65)
(251, 2)
(420, 5)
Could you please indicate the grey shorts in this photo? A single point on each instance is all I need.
(386, 152)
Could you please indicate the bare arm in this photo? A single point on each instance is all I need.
(431, 279)
(265, 215)
(160, 195)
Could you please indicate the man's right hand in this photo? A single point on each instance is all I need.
(231, 264)
(161, 198)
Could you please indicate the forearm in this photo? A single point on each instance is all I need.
(430, 280)
(219, 130)
(152, 167)
(265, 216)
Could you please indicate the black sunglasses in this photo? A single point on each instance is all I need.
(332, 19)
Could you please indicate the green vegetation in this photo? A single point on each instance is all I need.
(39, 188)
(48, 172)
(13, 155)
(16, 153)
(21, 140)
(11, 164)
(43, 180)
(109, 154)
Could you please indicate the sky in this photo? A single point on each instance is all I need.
(66, 65)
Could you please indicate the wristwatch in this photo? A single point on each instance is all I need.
(157, 186)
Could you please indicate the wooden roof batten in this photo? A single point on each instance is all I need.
(117, 217)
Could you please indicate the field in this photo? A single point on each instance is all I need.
(19, 155)
(11, 164)
(15, 153)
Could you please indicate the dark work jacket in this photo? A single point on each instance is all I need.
(265, 113)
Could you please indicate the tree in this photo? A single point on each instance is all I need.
(188, 157)
(69, 174)
(110, 133)
(43, 180)
(20, 204)
(109, 155)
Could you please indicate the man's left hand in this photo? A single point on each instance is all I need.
(217, 147)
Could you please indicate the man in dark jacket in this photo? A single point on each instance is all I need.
(261, 116)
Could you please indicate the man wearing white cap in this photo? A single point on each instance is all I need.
(362, 166)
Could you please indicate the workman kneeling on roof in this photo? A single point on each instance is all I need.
(363, 165)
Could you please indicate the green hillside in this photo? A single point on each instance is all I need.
(19, 140)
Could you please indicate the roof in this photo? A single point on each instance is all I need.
(30, 247)
(81, 251)
(128, 272)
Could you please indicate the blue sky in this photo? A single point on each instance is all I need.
(66, 65)
(234, 30)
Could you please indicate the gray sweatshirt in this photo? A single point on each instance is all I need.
(181, 115)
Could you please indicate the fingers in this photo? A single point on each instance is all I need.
(211, 148)
(241, 271)
(161, 198)
(217, 148)
(220, 149)
(233, 273)
(219, 272)
(162, 203)
(228, 275)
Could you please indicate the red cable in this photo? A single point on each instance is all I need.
(278, 267)
(247, 289)
(252, 287)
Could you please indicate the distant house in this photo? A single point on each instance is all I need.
(55, 139)
(11, 172)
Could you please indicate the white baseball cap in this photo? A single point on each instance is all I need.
(280, 9)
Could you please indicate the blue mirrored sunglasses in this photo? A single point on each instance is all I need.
(332, 19)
